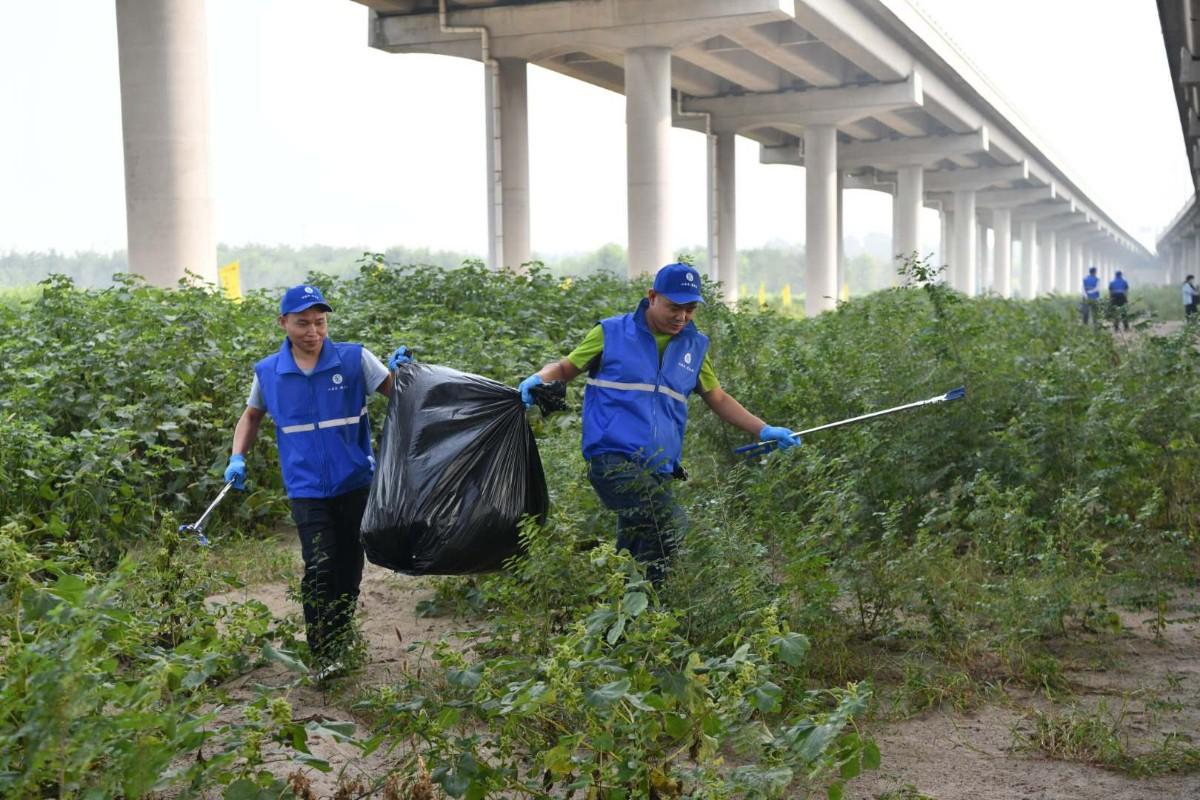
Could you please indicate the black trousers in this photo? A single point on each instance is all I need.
(333, 566)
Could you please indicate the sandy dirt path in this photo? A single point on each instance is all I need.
(1153, 681)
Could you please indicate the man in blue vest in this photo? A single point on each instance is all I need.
(1118, 299)
(1091, 297)
(642, 366)
(316, 392)
(1190, 294)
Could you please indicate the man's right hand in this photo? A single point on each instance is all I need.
(236, 471)
(525, 387)
(401, 355)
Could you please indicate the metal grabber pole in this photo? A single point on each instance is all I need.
(761, 448)
(197, 527)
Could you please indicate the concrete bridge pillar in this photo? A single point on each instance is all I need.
(1029, 270)
(821, 227)
(1047, 250)
(648, 126)
(906, 212)
(163, 55)
(946, 244)
(1062, 264)
(723, 217)
(841, 236)
(1002, 257)
(962, 264)
(1075, 283)
(983, 271)
(506, 97)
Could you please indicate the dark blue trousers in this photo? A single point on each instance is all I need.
(649, 521)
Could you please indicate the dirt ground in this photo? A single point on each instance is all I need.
(397, 640)
(1154, 682)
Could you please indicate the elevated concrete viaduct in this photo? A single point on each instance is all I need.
(861, 93)
(1178, 245)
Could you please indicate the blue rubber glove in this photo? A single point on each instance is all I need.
(527, 384)
(783, 437)
(402, 355)
(236, 471)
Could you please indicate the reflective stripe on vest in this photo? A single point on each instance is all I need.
(637, 387)
(635, 400)
(326, 423)
(323, 433)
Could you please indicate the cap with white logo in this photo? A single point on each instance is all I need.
(679, 283)
(300, 298)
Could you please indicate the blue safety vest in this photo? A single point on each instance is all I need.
(321, 424)
(635, 406)
(1091, 287)
(1118, 286)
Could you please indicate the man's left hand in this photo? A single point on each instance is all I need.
(783, 437)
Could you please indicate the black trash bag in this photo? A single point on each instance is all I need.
(457, 469)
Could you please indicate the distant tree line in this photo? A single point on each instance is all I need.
(771, 266)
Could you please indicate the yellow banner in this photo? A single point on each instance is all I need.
(762, 295)
(231, 280)
(785, 297)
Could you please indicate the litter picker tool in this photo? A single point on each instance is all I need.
(762, 448)
(197, 527)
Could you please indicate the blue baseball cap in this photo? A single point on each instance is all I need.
(299, 298)
(679, 283)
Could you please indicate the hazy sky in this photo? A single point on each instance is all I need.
(319, 139)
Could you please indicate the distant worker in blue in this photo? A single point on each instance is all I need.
(1190, 295)
(642, 366)
(1118, 299)
(316, 392)
(1091, 297)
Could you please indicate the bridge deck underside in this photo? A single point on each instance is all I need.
(783, 48)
